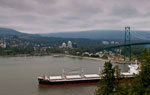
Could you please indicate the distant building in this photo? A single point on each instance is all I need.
(86, 54)
(100, 54)
(116, 42)
(74, 45)
(14, 46)
(43, 49)
(112, 42)
(69, 44)
(64, 45)
(3, 45)
(105, 42)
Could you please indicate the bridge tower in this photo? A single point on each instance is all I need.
(127, 40)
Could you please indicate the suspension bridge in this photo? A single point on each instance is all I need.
(127, 42)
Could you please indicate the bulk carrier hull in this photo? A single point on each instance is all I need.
(67, 83)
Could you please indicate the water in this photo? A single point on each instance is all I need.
(18, 75)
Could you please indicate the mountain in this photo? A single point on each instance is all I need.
(11, 32)
(82, 39)
(100, 34)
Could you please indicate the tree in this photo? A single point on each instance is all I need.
(106, 86)
(110, 84)
(120, 88)
(117, 79)
(141, 83)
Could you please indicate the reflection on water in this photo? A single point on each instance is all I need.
(68, 90)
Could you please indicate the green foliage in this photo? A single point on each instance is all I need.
(136, 52)
(108, 80)
(123, 89)
(104, 57)
(118, 77)
(120, 88)
(141, 83)
(54, 50)
(16, 50)
(85, 49)
(95, 56)
(110, 84)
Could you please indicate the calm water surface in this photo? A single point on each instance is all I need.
(18, 75)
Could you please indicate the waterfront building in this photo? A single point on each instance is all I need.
(100, 54)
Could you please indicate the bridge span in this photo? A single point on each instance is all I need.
(124, 45)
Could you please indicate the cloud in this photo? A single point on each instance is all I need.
(47, 16)
(125, 12)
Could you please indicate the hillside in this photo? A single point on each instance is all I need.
(100, 34)
(83, 38)
(11, 34)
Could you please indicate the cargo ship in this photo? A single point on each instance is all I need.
(81, 79)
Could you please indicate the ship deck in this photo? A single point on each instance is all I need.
(71, 77)
(76, 77)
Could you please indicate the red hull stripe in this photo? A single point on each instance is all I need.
(68, 84)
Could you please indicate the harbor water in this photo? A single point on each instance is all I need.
(18, 75)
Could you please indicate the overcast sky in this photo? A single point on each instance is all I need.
(48, 16)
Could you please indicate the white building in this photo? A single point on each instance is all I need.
(116, 42)
(112, 42)
(86, 53)
(3, 45)
(69, 44)
(100, 54)
(105, 42)
(64, 45)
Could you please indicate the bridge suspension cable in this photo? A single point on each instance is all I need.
(139, 36)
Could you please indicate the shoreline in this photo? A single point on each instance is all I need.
(54, 55)
(91, 58)
(67, 55)
(73, 56)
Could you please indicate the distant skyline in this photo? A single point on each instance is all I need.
(51, 16)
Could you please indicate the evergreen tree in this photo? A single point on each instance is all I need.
(110, 84)
(120, 88)
(141, 83)
(117, 80)
(106, 86)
